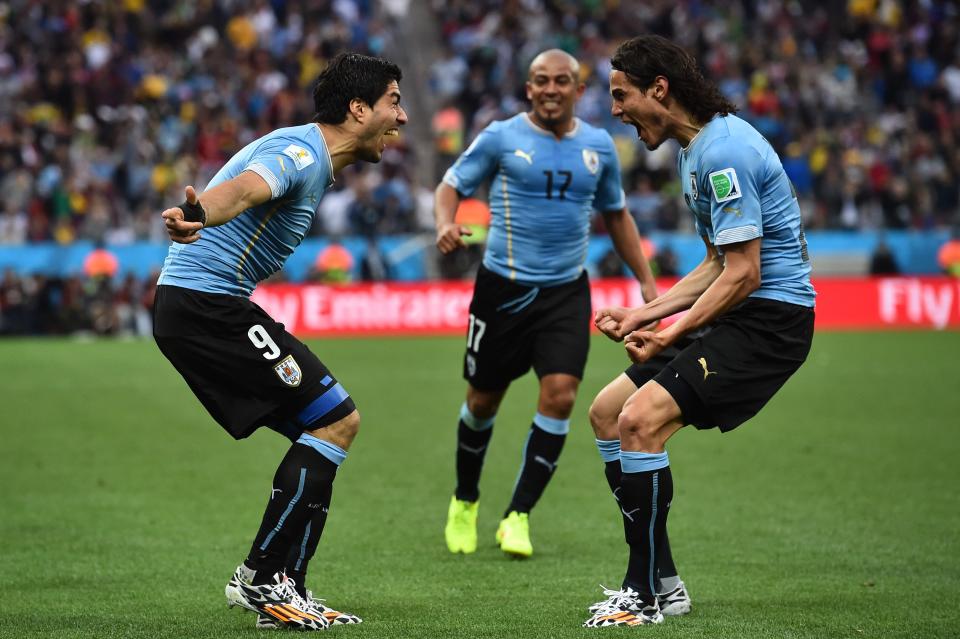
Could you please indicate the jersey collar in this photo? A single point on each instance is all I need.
(694, 138)
(539, 129)
(326, 151)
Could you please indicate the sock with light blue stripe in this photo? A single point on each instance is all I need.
(473, 436)
(646, 490)
(298, 560)
(610, 453)
(540, 456)
(300, 497)
(666, 568)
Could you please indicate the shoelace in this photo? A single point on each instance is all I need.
(288, 588)
(315, 602)
(616, 600)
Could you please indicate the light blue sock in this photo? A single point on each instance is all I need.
(331, 451)
(473, 422)
(635, 462)
(609, 449)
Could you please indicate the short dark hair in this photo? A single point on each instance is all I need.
(645, 57)
(349, 76)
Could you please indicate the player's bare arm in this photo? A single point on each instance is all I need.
(739, 277)
(220, 204)
(449, 233)
(617, 322)
(626, 242)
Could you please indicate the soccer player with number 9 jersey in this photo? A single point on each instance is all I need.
(243, 366)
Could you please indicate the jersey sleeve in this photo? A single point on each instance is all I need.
(610, 195)
(283, 164)
(477, 163)
(734, 174)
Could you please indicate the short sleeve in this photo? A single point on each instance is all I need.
(283, 164)
(477, 163)
(610, 195)
(734, 174)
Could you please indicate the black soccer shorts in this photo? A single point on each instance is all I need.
(724, 376)
(513, 327)
(244, 367)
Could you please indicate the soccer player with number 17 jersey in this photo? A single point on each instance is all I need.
(548, 173)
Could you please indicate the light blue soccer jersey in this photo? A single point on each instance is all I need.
(736, 187)
(233, 257)
(542, 195)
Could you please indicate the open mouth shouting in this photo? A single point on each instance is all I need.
(389, 133)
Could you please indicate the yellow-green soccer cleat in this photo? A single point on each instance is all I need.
(461, 530)
(513, 535)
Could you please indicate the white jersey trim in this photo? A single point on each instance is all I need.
(450, 179)
(269, 178)
(738, 234)
(539, 129)
(326, 149)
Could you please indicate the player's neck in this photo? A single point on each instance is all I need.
(341, 145)
(558, 129)
(684, 127)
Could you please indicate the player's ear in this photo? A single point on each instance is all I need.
(529, 86)
(358, 109)
(661, 87)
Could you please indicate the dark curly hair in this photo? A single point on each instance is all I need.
(349, 76)
(645, 57)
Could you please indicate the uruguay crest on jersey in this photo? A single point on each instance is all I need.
(591, 160)
(288, 371)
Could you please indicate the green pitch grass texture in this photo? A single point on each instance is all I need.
(124, 508)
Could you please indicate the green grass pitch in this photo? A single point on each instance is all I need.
(834, 513)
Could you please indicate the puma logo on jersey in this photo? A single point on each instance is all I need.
(526, 156)
(706, 373)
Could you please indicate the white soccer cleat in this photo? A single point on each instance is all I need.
(622, 608)
(676, 602)
(277, 600)
(334, 617)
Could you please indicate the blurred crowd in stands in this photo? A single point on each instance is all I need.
(861, 98)
(108, 108)
(98, 305)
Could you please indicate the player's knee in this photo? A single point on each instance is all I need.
(636, 425)
(482, 406)
(603, 420)
(558, 400)
(350, 425)
(341, 432)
